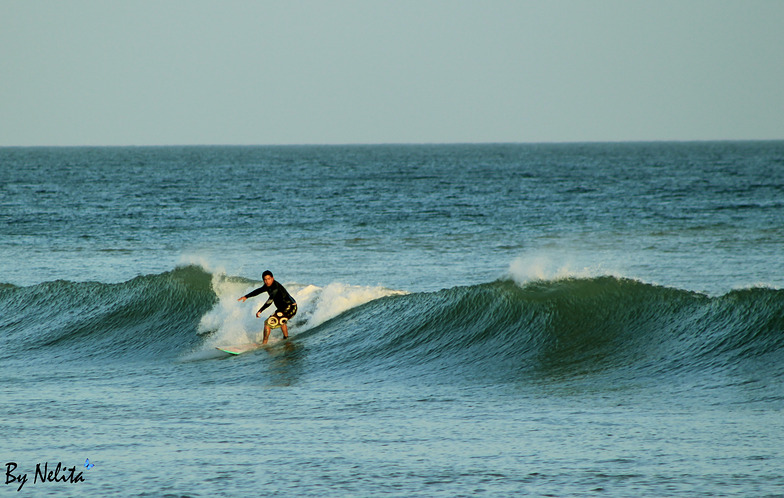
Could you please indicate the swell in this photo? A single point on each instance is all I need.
(545, 330)
(148, 316)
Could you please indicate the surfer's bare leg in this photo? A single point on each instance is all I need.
(266, 334)
(285, 329)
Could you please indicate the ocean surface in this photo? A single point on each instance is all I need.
(492, 320)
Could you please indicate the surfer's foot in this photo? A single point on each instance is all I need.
(285, 337)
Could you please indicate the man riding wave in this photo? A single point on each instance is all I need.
(285, 304)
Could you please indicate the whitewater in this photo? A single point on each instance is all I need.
(509, 319)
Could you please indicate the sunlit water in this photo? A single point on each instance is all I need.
(478, 319)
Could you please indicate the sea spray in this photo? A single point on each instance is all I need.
(556, 266)
(229, 321)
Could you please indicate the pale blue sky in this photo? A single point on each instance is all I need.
(157, 72)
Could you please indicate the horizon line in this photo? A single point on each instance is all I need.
(371, 144)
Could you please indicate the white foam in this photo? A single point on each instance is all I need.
(230, 321)
(336, 298)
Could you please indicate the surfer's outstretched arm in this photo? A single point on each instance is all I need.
(258, 291)
(254, 293)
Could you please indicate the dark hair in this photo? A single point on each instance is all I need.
(266, 273)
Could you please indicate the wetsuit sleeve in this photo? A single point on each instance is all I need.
(256, 292)
(269, 301)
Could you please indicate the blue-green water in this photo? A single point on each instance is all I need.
(574, 319)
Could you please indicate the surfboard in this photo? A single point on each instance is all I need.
(241, 348)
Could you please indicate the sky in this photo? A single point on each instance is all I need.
(181, 72)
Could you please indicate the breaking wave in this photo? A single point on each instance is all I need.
(543, 330)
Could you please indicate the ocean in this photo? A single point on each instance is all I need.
(482, 319)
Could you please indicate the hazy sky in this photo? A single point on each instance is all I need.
(142, 72)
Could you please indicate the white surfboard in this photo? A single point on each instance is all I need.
(241, 348)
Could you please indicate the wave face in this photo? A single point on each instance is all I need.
(565, 330)
(146, 317)
(589, 328)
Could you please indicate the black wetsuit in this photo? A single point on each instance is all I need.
(278, 295)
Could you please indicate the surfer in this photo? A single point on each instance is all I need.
(285, 304)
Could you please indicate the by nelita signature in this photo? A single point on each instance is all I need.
(59, 473)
